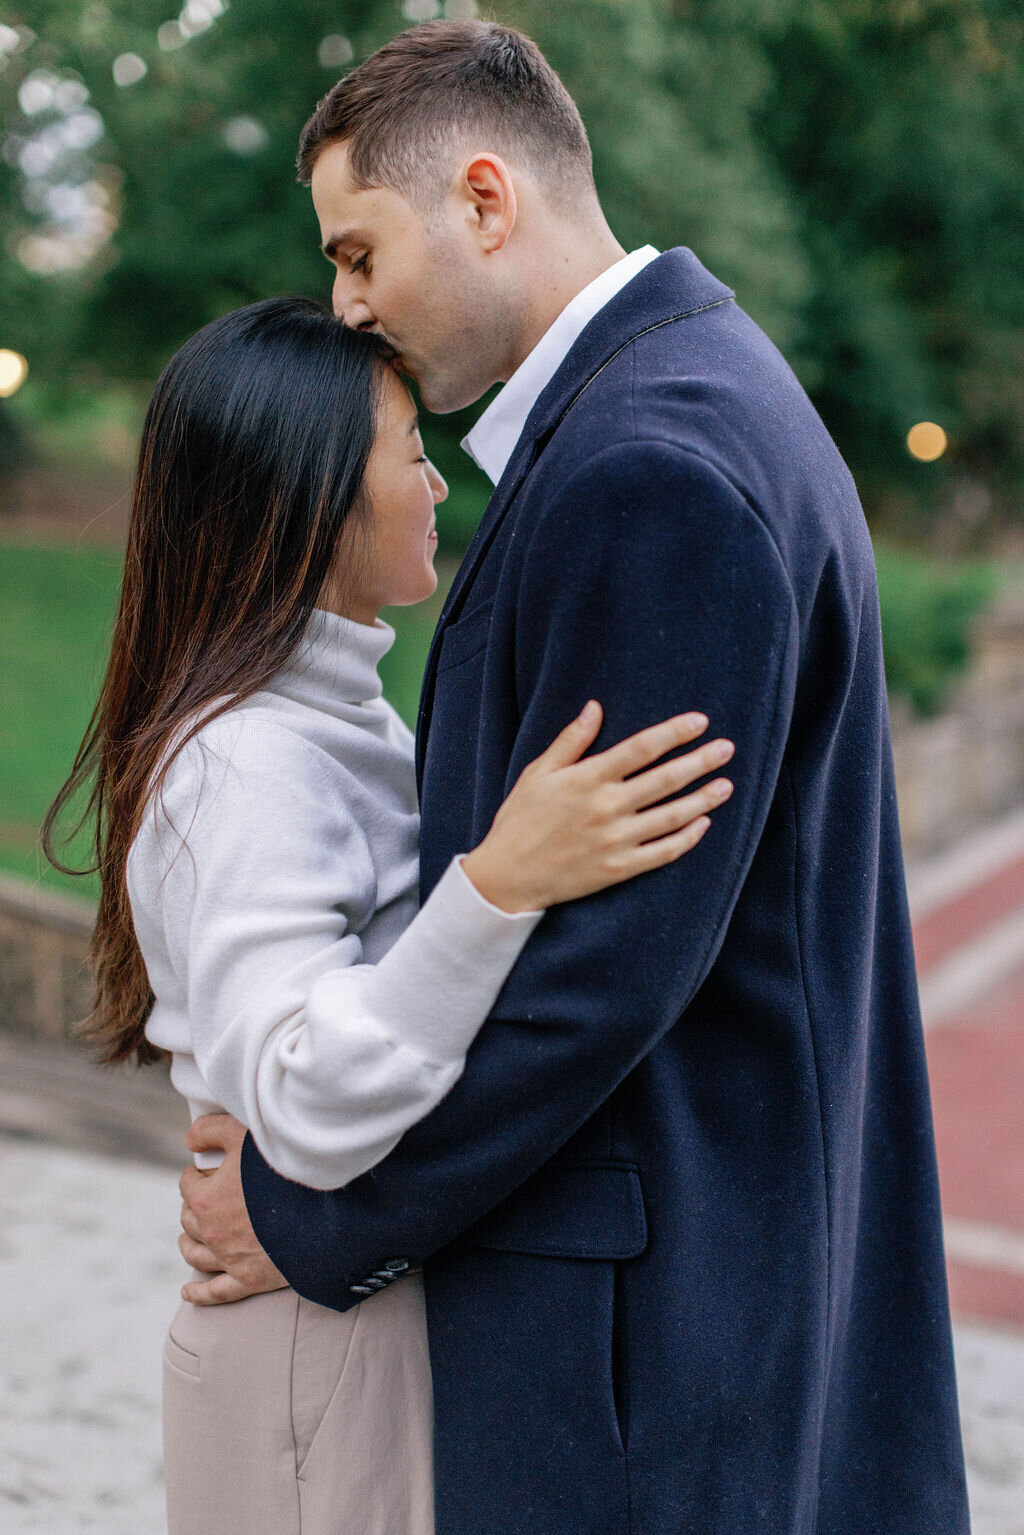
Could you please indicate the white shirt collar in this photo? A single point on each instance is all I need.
(492, 440)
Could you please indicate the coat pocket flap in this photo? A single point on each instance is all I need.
(570, 1210)
(466, 637)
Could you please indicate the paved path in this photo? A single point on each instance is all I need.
(85, 1158)
(83, 1320)
(83, 1316)
(969, 936)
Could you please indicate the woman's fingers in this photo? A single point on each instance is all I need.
(665, 819)
(640, 750)
(628, 757)
(659, 782)
(655, 855)
(570, 744)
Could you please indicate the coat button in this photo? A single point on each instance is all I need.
(376, 1284)
(359, 1289)
(396, 1265)
(384, 1274)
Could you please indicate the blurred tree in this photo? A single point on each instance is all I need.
(851, 167)
(196, 158)
(899, 125)
(194, 163)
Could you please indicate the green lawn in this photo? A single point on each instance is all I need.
(57, 606)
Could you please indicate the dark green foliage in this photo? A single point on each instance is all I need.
(927, 610)
(852, 167)
(900, 127)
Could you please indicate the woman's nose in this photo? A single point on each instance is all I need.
(438, 483)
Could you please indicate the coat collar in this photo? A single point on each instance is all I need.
(494, 435)
(673, 287)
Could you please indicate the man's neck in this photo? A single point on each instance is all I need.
(573, 267)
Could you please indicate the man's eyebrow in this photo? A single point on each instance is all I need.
(331, 247)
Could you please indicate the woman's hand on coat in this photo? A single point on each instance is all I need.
(573, 825)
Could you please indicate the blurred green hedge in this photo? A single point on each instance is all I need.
(927, 609)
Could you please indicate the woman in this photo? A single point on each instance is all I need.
(257, 839)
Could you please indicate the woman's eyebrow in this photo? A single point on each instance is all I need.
(414, 424)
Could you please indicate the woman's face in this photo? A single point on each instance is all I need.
(388, 559)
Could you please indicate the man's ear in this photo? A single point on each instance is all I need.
(490, 196)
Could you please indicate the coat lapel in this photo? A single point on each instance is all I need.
(671, 288)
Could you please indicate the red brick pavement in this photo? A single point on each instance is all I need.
(966, 916)
(976, 1065)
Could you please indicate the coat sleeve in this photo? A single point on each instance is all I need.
(651, 584)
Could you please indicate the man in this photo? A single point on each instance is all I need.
(679, 1219)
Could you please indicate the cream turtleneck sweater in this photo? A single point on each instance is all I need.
(273, 887)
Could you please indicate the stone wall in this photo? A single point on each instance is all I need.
(44, 988)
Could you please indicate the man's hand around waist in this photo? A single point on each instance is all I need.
(217, 1236)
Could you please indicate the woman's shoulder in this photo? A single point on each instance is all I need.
(250, 743)
(241, 766)
(246, 792)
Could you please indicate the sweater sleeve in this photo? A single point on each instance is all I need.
(264, 880)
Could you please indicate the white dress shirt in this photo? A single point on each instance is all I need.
(491, 442)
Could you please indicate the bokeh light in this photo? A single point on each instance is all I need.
(170, 36)
(335, 51)
(245, 135)
(420, 10)
(198, 15)
(13, 372)
(927, 441)
(69, 195)
(129, 69)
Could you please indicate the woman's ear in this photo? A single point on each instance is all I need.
(491, 198)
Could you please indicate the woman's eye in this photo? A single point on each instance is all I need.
(422, 459)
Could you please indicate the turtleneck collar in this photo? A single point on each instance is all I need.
(336, 661)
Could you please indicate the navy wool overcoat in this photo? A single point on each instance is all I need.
(679, 1219)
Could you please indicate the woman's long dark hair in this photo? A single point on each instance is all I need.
(252, 460)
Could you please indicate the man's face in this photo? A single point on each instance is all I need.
(419, 282)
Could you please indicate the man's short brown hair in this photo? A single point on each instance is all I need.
(407, 108)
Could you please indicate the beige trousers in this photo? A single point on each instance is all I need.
(283, 1418)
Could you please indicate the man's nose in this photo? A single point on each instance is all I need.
(352, 310)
